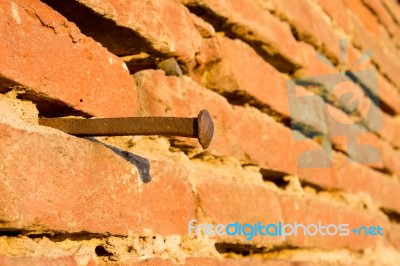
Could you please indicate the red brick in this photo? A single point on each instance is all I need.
(242, 69)
(354, 178)
(388, 43)
(245, 20)
(393, 8)
(388, 93)
(210, 52)
(39, 261)
(231, 124)
(220, 262)
(390, 129)
(338, 12)
(377, 159)
(345, 127)
(224, 202)
(273, 147)
(312, 66)
(382, 13)
(346, 133)
(130, 31)
(368, 19)
(315, 29)
(205, 29)
(394, 235)
(396, 38)
(71, 261)
(312, 211)
(381, 57)
(390, 158)
(147, 262)
(62, 64)
(78, 185)
(245, 261)
(271, 139)
(353, 55)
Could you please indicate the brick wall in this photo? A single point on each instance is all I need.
(81, 201)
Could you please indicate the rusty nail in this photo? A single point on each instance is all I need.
(201, 127)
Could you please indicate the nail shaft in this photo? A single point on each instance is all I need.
(183, 127)
(201, 127)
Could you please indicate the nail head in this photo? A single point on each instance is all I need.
(206, 128)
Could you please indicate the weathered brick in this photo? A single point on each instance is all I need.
(245, 20)
(382, 13)
(387, 157)
(210, 52)
(354, 178)
(124, 30)
(39, 261)
(62, 64)
(231, 123)
(225, 202)
(313, 211)
(334, 122)
(394, 235)
(311, 65)
(221, 262)
(245, 261)
(390, 129)
(41, 168)
(388, 93)
(351, 138)
(241, 69)
(390, 157)
(315, 29)
(55, 182)
(205, 29)
(146, 262)
(369, 21)
(388, 43)
(274, 149)
(366, 40)
(393, 8)
(338, 12)
(354, 55)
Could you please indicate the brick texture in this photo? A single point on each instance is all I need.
(266, 151)
(37, 261)
(318, 32)
(63, 184)
(246, 20)
(283, 145)
(63, 64)
(129, 32)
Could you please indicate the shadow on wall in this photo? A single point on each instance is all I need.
(142, 164)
